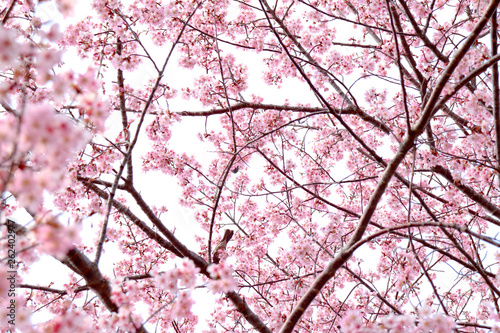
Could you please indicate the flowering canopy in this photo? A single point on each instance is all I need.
(352, 146)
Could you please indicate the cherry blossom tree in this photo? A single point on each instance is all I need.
(345, 176)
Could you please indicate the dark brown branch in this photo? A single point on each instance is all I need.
(314, 195)
(477, 266)
(178, 249)
(407, 52)
(367, 26)
(7, 12)
(242, 307)
(246, 105)
(223, 178)
(47, 289)
(347, 98)
(466, 80)
(372, 290)
(437, 249)
(78, 262)
(176, 243)
(138, 222)
(426, 273)
(121, 95)
(421, 35)
(393, 15)
(90, 272)
(123, 112)
(469, 192)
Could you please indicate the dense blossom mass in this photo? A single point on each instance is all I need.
(353, 147)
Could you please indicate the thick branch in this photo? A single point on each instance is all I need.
(352, 110)
(243, 308)
(90, 272)
(6, 12)
(469, 192)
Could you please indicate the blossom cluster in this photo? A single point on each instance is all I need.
(184, 275)
(222, 278)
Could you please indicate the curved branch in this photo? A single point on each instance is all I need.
(351, 110)
(468, 191)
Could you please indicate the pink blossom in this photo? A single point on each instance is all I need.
(182, 306)
(222, 278)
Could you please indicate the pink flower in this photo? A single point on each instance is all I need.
(54, 238)
(222, 278)
(9, 47)
(182, 306)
